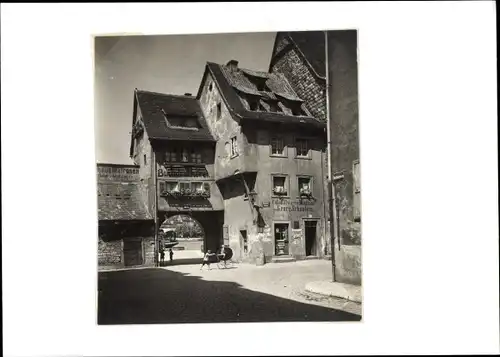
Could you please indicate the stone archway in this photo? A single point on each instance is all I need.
(210, 223)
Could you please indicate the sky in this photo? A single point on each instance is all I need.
(172, 64)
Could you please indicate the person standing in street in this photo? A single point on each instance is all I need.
(171, 253)
(162, 257)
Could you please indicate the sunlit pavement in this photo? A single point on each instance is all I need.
(245, 293)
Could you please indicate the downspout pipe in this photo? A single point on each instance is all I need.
(331, 191)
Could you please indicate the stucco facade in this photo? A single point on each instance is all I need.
(244, 170)
(301, 58)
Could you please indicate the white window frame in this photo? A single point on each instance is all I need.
(286, 185)
(283, 145)
(308, 155)
(234, 146)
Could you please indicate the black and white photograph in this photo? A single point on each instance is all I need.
(228, 173)
(249, 178)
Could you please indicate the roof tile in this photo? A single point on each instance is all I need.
(154, 107)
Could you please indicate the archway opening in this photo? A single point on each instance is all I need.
(182, 234)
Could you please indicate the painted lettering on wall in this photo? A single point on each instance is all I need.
(109, 173)
(292, 206)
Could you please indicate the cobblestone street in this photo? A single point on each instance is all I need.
(245, 293)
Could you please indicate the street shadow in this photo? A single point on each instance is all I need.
(155, 296)
(185, 261)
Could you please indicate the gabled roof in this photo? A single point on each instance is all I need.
(157, 108)
(237, 83)
(311, 46)
(120, 201)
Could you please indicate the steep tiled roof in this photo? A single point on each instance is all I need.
(156, 106)
(235, 84)
(120, 201)
(312, 46)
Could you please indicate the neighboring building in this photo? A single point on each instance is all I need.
(175, 151)
(126, 229)
(343, 110)
(301, 58)
(268, 159)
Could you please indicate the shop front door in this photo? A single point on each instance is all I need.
(281, 238)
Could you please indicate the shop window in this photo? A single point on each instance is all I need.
(185, 186)
(305, 186)
(302, 148)
(277, 146)
(280, 185)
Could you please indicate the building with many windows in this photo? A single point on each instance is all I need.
(247, 156)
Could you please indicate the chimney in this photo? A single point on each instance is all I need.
(188, 94)
(232, 64)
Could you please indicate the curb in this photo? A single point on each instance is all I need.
(339, 290)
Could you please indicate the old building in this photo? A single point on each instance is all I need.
(175, 151)
(268, 163)
(126, 229)
(312, 65)
(247, 156)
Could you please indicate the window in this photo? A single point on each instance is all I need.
(197, 186)
(280, 185)
(171, 186)
(305, 186)
(277, 147)
(210, 87)
(254, 103)
(219, 111)
(274, 107)
(184, 155)
(171, 155)
(195, 157)
(145, 160)
(185, 186)
(296, 225)
(302, 148)
(234, 146)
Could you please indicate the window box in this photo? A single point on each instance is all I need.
(279, 191)
(305, 193)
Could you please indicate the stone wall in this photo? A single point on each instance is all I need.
(110, 253)
(348, 264)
